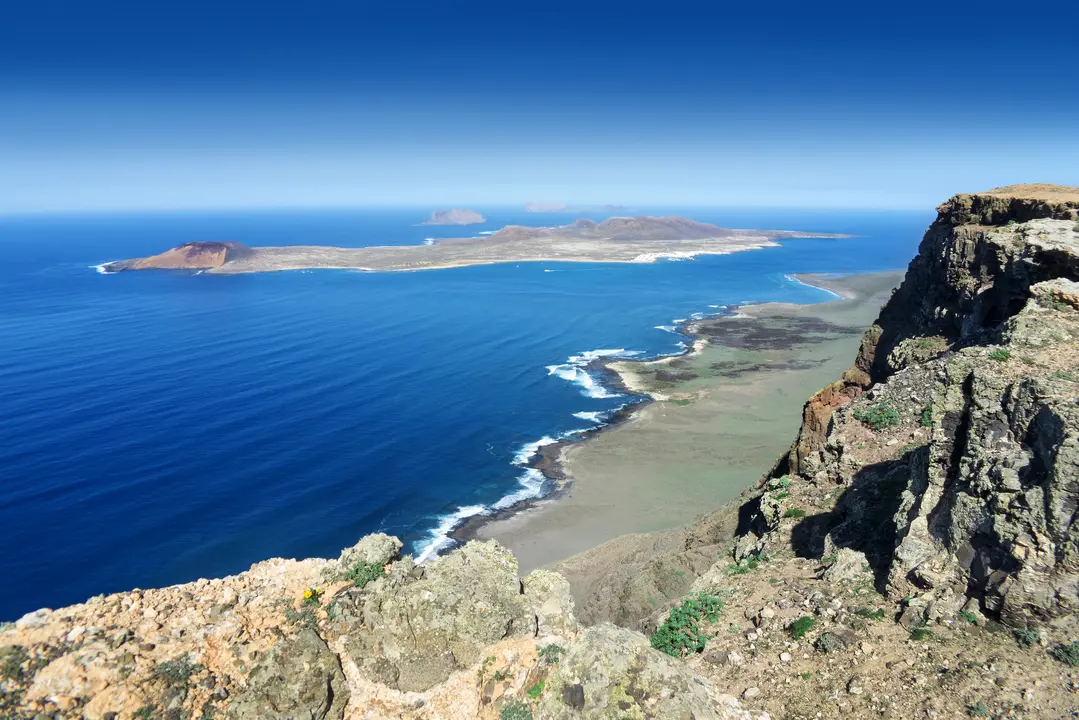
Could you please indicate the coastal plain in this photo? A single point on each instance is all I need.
(720, 414)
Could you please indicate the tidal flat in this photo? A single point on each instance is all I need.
(721, 415)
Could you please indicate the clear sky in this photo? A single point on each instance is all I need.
(163, 105)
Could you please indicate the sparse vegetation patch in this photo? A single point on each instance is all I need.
(681, 633)
(877, 417)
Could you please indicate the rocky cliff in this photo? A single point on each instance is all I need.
(914, 554)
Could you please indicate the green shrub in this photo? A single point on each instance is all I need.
(681, 633)
(920, 633)
(176, 672)
(301, 619)
(1067, 654)
(978, 709)
(999, 354)
(146, 712)
(536, 690)
(745, 566)
(515, 710)
(927, 416)
(794, 513)
(877, 417)
(870, 613)
(13, 658)
(784, 482)
(829, 642)
(551, 653)
(801, 626)
(969, 617)
(782, 495)
(362, 573)
(1027, 637)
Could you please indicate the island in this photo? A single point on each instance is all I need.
(539, 207)
(617, 239)
(455, 217)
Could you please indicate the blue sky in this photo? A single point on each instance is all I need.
(122, 105)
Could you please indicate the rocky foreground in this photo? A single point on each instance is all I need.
(914, 555)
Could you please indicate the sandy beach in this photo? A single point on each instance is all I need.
(722, 414)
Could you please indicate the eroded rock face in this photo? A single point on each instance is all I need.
(411, 630)
(299, 679)
(980, 339)
(612, 672)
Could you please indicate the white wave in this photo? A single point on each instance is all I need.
(428, 241)
(531, 481)
(590, 416)
(102, 269)
(522, 456)
(439, 537)
(793, 279)
(574, 371)
(488, 232)
(667, 328)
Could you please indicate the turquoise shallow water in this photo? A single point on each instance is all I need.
(160, 427)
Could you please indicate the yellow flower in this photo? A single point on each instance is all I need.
(306, 594)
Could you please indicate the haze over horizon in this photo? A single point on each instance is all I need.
(119, 106)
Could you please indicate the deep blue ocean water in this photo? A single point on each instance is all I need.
(160, 427)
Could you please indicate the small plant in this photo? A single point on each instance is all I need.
(146, 712)
(734, 629)
(830, 558)
(312, 597)
(742, 567)
(801, 626)
(784, 482)
(536, 690)
(927, 416)
(551, 654)
(301, 619)
(829, 642)
(1027, 637)
(794, 513)
(870, 613)
(362, 573)
(978, 709)
(176, 672)
(481, 674)
(805, 675)
(13, 659)
(783, 495)
(969, 617)
(920, 633)
(1012, 222)
(681, 633)
(515, 710)
(923, 343)
(999, 354)
(877, 417)
(1067, 654)
(500, 675)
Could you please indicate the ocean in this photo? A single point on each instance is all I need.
(159, 427)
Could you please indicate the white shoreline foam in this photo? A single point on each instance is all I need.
(794, 279)
(101, 268)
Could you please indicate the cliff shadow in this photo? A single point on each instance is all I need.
(863, 517)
